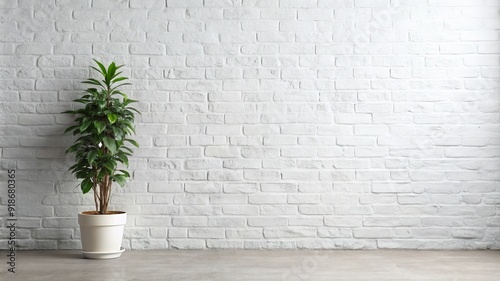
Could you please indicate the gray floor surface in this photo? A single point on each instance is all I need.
(256, 265)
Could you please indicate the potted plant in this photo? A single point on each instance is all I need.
(102, 126)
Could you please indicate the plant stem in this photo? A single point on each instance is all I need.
(96, 197)
(101, 188)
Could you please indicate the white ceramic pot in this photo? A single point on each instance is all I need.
(102, 234)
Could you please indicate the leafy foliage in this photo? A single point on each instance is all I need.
(103, 125)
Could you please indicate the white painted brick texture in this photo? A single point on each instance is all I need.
(352, 124)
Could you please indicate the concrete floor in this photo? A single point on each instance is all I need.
(257, 265)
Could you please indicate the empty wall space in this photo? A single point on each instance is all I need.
(276, 124)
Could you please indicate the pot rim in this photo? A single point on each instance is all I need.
(102, 220)
(91, 213)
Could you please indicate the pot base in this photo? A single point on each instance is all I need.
(103, 256)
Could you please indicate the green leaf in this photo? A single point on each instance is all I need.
(118, 133)
(84, 101)
(119, 79)
(86, 185)
(85, 125)
(133, 142)
(71, 128)
(102, 67)
(101, 175)
(111, 72)
(101, 104)
(129, 125)
(73, 167)
(91, 156)
(92, 82)
(92, 91)
(112, 118)
(100, 126)
(135, 110)
(96, 69)
(118, 67)
(110, 144)
(116, 87)
(128, 101)
(109, 166)
(121, 180)
(127, 149)
(125, 173)
(117, 73)
(115, 92)
(123, 158)
(72, 148)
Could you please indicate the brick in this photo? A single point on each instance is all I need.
(342, 221)
(391, 221)
(266, 221)
(261, 175)
(183, 152)
(207, 140)
(187, 244)
(223, 130)
(316, 209)
(202, 164)
(202, 187)
(289, 232)
(353, 210)
(240, 210)
(244, 233)
(190, 221)
(298, 152)
(278, 210)
(227, 222)
(298, 3)
(337, 176)
(260, 152)
(303, 199)
(300, 175)
(242, 164)
(221, 152)
(205, 233)
(269, 244)
(279, 187)
(228, 199)
(188, 3)
(240, 188)
(315, 187)
(197, 210)
(267, 199)
(278, 164)
(52, 233)
(225, 175)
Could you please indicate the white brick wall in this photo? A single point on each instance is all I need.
(352, 124)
